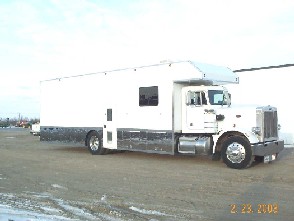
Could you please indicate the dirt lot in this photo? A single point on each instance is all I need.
(65, 182)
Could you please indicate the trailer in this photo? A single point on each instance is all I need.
(168, 108)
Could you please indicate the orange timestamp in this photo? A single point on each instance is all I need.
(270, 208)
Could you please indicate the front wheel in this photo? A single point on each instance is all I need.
(94, 143)
(236, 152)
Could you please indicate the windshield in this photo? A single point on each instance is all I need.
(217, 97)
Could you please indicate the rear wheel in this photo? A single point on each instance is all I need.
(236, 152)
(94, 143)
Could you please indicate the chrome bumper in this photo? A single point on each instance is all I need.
(267, 148)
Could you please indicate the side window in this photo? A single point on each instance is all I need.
(148, 96)
(203, 97)
(196, 98)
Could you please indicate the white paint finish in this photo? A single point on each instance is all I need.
(82, 101)
(177, 107)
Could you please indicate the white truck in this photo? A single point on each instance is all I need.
(35, 129)
(168, 108)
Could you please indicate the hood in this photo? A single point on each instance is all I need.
(237, 116)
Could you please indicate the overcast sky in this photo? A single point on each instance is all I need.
(44, 39)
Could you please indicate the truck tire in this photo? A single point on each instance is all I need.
(95, 144)
(236, 152)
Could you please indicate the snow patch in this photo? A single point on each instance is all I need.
(18, 209)
(104, 198)
(58, 186)
(50, 210)
(147, 212)
(10, 213)
(33, 206)
(74, 210)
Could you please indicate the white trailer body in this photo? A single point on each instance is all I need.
(151, 109)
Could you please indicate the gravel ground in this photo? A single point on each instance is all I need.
(52, 181)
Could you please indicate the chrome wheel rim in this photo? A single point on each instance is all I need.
(236, 152)
(94, 143)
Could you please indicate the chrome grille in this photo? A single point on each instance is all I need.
(270, 126)
(267, 120)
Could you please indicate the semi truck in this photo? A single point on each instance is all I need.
(176, 108)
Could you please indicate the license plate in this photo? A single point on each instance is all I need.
(269, 158)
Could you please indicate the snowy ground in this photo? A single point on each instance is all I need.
(44, 207)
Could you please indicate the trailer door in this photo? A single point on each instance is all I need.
(109, 131)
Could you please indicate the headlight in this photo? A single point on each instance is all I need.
(256, 130)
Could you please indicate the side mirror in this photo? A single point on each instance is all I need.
(230, 100)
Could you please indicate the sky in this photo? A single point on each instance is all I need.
(45, 39)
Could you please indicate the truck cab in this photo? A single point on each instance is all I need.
(211, 125)
(198, 108)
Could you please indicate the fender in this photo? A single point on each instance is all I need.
(234, 131)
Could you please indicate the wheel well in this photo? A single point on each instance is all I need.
(224, 136)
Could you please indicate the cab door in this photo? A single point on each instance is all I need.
(195, 114)
(109, 130)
